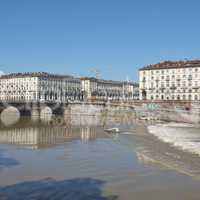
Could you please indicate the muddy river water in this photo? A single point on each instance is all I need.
(49, 161)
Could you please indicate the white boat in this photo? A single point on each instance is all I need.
(112, 130)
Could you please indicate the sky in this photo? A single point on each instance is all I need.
(116, 37)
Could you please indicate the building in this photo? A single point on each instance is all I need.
(108, 89)
(170, 81)
(39, 87)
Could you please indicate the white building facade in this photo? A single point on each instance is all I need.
(39, 87)
(45, 87)
(108, 89)
(170, 81)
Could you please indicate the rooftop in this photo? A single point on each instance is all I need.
(35, 74)
(108, 81)
(58, 76)
(173, 64)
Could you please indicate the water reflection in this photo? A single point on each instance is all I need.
(10, 116)
(37, 135)
(86, 170)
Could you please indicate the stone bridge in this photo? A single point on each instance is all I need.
(33, 108)
(89, 111)
(58, 108)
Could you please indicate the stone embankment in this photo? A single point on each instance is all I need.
(93, 113)
(170, 113)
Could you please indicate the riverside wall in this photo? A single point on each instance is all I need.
(185, 112)
(94, 113)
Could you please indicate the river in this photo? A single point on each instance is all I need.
(82, 162)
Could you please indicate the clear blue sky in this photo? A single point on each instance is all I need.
(115, 36)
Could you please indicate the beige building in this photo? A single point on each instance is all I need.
(62, 88)
(170, 81)
(108, 89)
(39, 87)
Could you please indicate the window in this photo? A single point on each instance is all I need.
(190, 77)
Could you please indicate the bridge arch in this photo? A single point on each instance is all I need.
(46, 114)
(10, 115)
